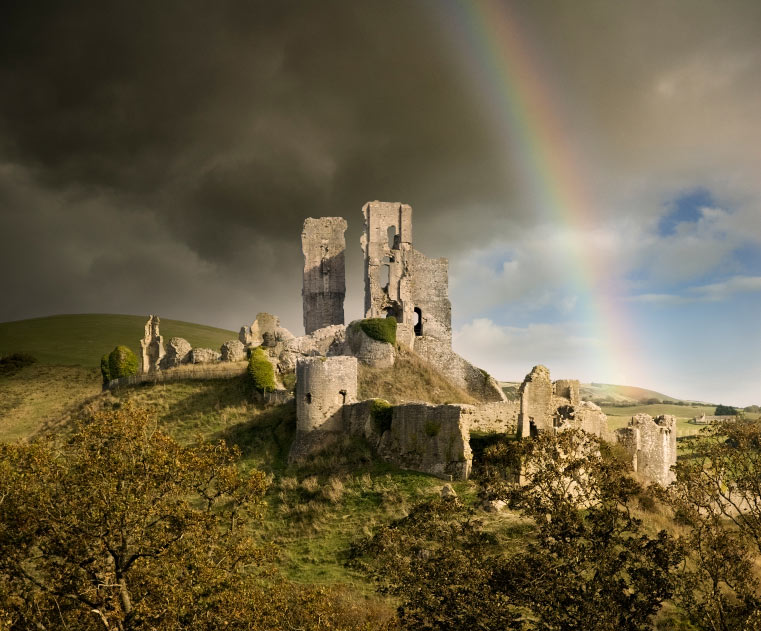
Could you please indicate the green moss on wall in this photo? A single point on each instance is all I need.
(381, 329)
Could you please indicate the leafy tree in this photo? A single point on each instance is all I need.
(725, 410)
(119, 527)
(717, 496)
(588, 563)
(592, 564)
(441, 564)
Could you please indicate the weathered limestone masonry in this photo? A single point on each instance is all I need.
(264, 331)
(324, 385)
(536, 410)
(651, 443)
(324, 246)
(500, 417)
(400, 281)
(545, 405)
(177, 353)
(429, 438)
(152, 345)
(367, 350)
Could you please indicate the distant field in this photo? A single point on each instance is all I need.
(81, 340)
(680, 411)
(602, 393)
(619, 416)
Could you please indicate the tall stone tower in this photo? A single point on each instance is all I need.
(324, 247)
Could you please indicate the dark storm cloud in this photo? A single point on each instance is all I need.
(217, 127)
(162, 156)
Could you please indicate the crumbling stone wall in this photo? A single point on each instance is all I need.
(367, 350)
(323, 386)
(324, 290)
(568, 389)
(476, 382)
(536, 410)
(545, 405)
(401, 282)
(651, 443)
(177, 353)
(232, 351)
(429, 438)
(152, 345)
(494, 418)
(264, 331)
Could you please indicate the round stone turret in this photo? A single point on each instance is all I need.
(323, 386)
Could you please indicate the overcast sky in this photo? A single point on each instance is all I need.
(161, 157)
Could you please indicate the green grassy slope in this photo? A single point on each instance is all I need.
(71, 340)
(602, 393)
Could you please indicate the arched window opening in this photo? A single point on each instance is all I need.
(309, 397)
(418, 322)
(391, 234)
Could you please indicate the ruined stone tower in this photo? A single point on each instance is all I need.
(399, 280)
(323, 386)
(151, 346)
(324, 247)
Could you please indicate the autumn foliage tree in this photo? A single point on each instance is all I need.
(586, 562)
(119, 527)
(717, 499)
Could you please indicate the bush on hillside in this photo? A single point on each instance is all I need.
(260, 371)
(381, 329)
(105, 369)
(14, 362)
(725, 410)
(122, 362)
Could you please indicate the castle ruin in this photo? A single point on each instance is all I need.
(324, 290)
(402, 283)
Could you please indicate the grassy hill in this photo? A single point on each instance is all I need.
(604, 393)
(81, 339)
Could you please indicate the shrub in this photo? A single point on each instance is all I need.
(105, 369)
(381, 413)
(260, 371)
(14, 362)
(381, 329)
(122, 362)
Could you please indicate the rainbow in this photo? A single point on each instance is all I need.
(517, 92)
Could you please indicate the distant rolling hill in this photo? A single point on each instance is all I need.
(605, 393)
(71, 340)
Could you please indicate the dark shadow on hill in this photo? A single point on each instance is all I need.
(266, 438)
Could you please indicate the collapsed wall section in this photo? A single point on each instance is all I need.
(324, 289)
(429, 438)
(651, 444)
(151, 346)
(536, 411)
